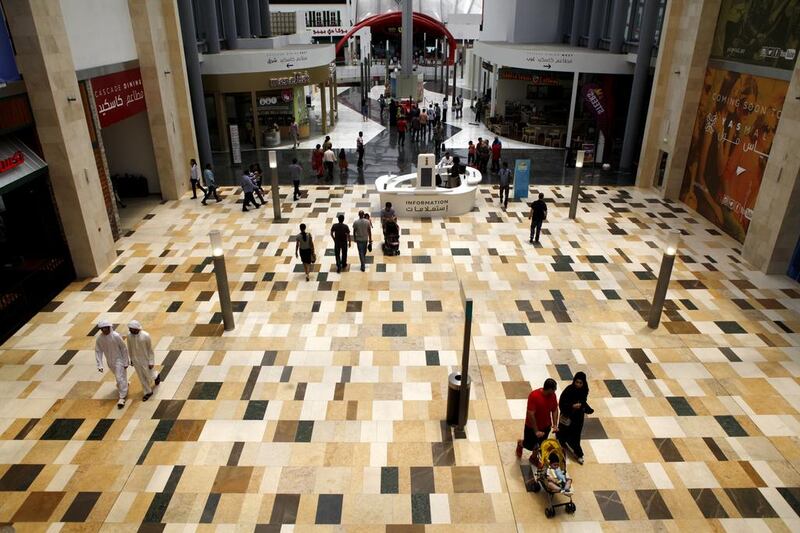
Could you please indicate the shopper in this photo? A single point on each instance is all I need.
(471, 153)
(194, 178)
(446, 160)
(294, 129)
(296, 171)
(438, 139)
(329, 159)
(211, 183)
(540, 417)
(431, 118)
(109, 343)
(340, 234)
(364, 110)
(415, 125)
(573, 408)
(458, 107)
(484, 153)
(257, 191)
(497, 147)
(305, 248)
(327, 144)
(140, 349)
(538, 216)
(362, 234)
(247, 188)
(382, 104)
(317, 163)
(360, 149)
(444, 109)
(505, 183)
(343, 165)
(401, 131)
(423, 124)
(388, 214)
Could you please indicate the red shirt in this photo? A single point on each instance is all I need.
(401, 125)
(543, 406)
(496, 150)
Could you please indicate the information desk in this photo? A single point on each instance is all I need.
(410, 201)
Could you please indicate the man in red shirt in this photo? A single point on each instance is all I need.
(401, 130)
(540, 417)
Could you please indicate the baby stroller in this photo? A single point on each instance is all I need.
(391, 238)
(548, 447)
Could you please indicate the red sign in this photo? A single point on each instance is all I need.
(118, 96)
(16, 159)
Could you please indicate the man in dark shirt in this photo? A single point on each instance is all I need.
(340, 234)
(538, 215)
(505, 183)
(295, 171)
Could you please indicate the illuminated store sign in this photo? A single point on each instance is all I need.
(299, 78)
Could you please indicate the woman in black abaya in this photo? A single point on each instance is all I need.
(573, 407)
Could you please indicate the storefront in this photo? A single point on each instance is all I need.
(554, 95)
(251, 101)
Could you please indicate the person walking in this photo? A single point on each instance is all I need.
(415, 125)
(445, 105)
(109, 343)
(438, 139)
(497, 147)
(340, 234)
(423, 124)
(541, 415)
(459, 106)
(471, 153)
(140, 349)
(573, 407)
(194, 178)
(294, 129)
(296, 171)
(478, 110)
(255, 178)
(211, 184)
(505, 183)
(362, 234)
(305, 248)
(247, 188)
(316, 162)
(327, 144)
(364, 110)
(538, 216)
(329, 159)
(360, 149)
(484, 153)
(401, 131)
(382, 104)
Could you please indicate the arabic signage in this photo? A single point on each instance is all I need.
(289, 58)
(328, 32)
(299, 78)
(536, 78)
(540, 57)
(758, 32)
(15, 160)
(736, 122)
(418, 206)
(118, 96)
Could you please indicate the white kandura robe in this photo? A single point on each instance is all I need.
(142, 357)
(113, 347)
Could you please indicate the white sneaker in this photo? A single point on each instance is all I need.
(580, 460)
(121, 403)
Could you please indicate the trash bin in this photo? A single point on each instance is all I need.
(453, 395)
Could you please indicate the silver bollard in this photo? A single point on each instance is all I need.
(576, 185)
(276, 195)
(664, 275)
(221, 273)
(463, 399)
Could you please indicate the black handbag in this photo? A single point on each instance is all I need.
(369, 247)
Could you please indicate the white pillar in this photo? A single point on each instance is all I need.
(572, 105)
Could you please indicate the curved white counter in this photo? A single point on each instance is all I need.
(409, 201)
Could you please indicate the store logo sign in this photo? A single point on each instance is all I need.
(16, 159)
(118, 96)
(299, 78)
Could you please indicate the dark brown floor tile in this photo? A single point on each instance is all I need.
(38, 507)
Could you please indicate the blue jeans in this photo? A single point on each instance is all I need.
(362, 251)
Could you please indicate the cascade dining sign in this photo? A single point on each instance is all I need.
(118, 96)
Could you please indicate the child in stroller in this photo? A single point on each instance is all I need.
(553, 477)
(391, 238)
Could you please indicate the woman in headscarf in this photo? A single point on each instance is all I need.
(573, 407)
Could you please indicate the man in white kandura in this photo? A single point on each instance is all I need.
(140, 348)
(109, 343)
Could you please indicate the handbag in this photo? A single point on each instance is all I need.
(369, 247)
(564, 421)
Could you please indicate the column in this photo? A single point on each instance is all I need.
(641, 73)
(596, 22)
(43, 54)
(407, 39)
(229, 21)
(573, 102)
(242, 19)
(195, 80)
(564, 23)
(323, 108)
(336, 93)
(619, 12)
(254, 8)
(222, 121)
(578, 18)
(773, 232)
(157, 32)
(210, 26)
(266, 21)
(332, 111)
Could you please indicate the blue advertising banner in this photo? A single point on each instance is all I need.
(522, 178)
(8, 67)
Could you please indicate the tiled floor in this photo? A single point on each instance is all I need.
(324, 407)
